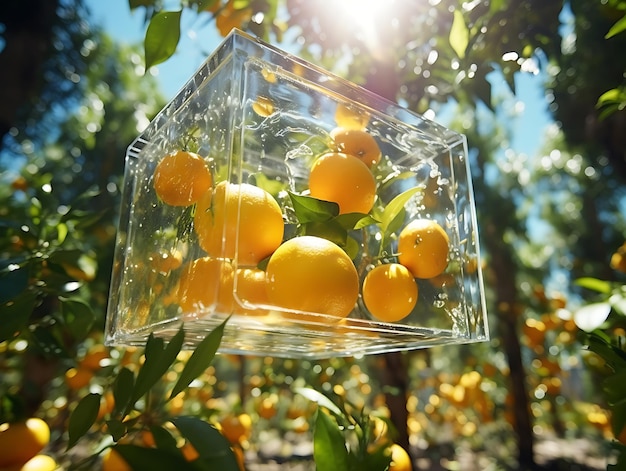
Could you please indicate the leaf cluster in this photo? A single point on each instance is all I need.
(344, 436)
(138, 406)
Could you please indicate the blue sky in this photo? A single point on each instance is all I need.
(197, 42)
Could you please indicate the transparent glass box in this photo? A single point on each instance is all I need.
(259, 116)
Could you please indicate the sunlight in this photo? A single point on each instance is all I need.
(363, 18)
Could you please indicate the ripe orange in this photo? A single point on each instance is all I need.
(20, 441)
(229, 18)
(239, 221)
(78, 378)
(113, 461)
(357, 143)
(236, 428)
(189, 452)
(93, 357)
(345, 180)
(390, 292)
(423, 248)
(400, 459)
(250, 291)
(348, 117)
(267, 406)
(312, 274)
(38, 463)
(181, 178)
(207, 283)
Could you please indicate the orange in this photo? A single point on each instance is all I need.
(250, 291)
(345, 180)
(93, 357)
(236, 428)
(181, 178)
(312, 274)
(400, 459)
(39, 463)
(207, 283)
(189, 452)
(20, 441)
(263, 106)
(348, 117)
(78, 378)
(229, 18)
(239, 221)
(423, 248)
(357, 143)
(267, 407)
(113, 461)
(390, 292)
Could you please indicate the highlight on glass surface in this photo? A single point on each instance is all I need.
(323, 219)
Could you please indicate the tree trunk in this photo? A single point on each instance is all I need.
(395, 379)
(507, 311)
(27, 39)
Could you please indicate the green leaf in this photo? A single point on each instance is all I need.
(395, 207)
(116, 428)
(158, 360)
(83, 417)
(122, 391)
(77, 315)
(615, 357)
(614, 388)
(210, 444)
(617, 28)
(618, 418)
(309, 209)
(148, 459)
(320, 399)
(351, 221)
(329, 447)
(162, 37)
(14, 314)
(329, 230)
(200, 359)
(459, 34)
(163, 439)
(594, 284)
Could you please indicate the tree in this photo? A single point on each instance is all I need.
(44, 54)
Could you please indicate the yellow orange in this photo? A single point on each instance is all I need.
(390, 292)
(20, 441)
(423, 248)
(312, 274)
(113, 461)
(400, 459)
(236, 428)
(348, 117)
(239, 221)
(207, 283)
(357, 143)
(181, 178)
(39, 463)
(345, 180)
(229, 18)
(250, 291)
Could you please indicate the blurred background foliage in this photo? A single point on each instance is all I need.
(73, 99)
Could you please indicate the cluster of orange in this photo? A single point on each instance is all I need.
(21, 444)
(305, 273)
